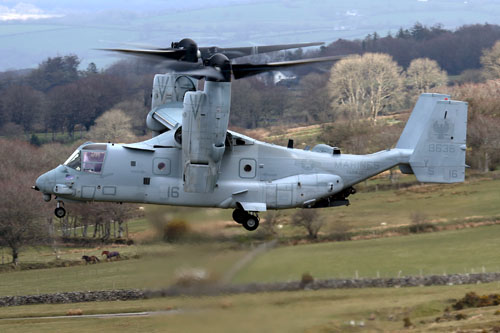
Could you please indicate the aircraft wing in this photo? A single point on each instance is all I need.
(236, 52)
(169, 114)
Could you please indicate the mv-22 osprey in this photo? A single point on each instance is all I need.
(194, 160)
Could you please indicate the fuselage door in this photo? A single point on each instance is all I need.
(271, 195)
(284, 195)
(88, 192)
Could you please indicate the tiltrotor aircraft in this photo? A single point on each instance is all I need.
(194, 160)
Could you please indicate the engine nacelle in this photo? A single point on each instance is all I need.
(204, 125)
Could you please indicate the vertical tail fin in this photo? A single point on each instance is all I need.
(419, 117)
(439, 152)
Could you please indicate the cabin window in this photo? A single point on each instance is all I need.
(92, 161)
(161, 166)
(248, 168)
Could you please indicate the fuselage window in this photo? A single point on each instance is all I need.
(93, 160)
(74, 161)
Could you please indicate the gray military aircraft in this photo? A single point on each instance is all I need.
(194, 160)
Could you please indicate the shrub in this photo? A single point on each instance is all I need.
(407, 322)
(306, 279)
(473, 300)
(175, 230)
(340, 232)
(419, 223)
(308, 219)
(270, 227)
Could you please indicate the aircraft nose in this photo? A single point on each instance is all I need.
(46, 182)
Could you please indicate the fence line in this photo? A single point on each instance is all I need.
(133, 294)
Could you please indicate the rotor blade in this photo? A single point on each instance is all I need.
(236, 52)
(244, 70)
(174, 54)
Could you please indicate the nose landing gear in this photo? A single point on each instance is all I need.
(60, 212)
(249, 221)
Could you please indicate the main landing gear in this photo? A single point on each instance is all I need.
(60, 212)
(249, 221)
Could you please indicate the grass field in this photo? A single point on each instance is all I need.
(152, 264)
(462, 251)
(305, 311)
(158, 266)
(437, 202)
(432, 253)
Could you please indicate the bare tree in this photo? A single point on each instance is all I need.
(21, 105)
(484, 139)
(120, 213)
(491, 62)
(137, 112)
(308, 219)
(424, 74)
(272, 220)
(312, 100)
(366, 85)
(112, 126)
(22, 221)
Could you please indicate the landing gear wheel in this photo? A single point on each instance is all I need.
(60, 212)
(251, 222)
(239, 215)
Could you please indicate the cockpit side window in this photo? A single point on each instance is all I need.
(74, 161)
(92, 161)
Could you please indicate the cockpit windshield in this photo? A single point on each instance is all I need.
(73, 161)
(89, 159)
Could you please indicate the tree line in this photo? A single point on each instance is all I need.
(58, 97)
(454, 50)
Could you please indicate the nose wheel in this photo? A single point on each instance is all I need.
(60, 212)
(249, 221)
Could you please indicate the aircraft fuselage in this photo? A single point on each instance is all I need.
(255, 176)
